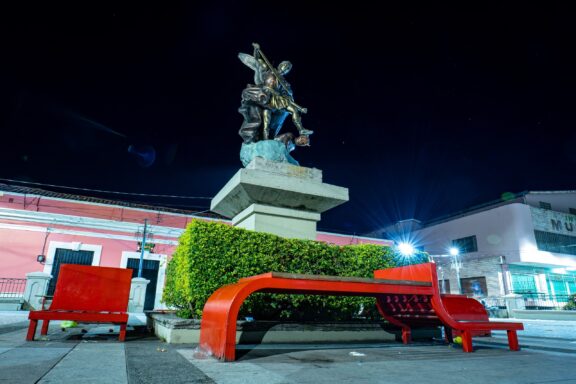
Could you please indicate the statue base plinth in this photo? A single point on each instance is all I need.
(284, 222)
(273, 150)
(277, 198)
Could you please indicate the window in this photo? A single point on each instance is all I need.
(466, 244)
(545, 205)
(523, 283)
(555, 242)
(474, 286)
(572, 211)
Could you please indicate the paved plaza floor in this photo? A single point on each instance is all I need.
(92, 354)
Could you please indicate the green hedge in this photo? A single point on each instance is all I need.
(210, 255)
(571, 305)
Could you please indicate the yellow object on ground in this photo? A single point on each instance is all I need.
(68, 324)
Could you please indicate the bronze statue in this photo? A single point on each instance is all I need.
(267, 103)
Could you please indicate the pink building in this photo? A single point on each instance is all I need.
(39, 230)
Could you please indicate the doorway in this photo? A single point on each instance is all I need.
(67, 256)
(150, 270)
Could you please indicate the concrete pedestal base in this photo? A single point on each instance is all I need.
(277, 198)
(177, 331)
(137, 294)
(36, 287)
(284, 222)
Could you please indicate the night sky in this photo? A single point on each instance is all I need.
(420, 111)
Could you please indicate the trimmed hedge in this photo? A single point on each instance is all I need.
(210, 255)
(571, 305)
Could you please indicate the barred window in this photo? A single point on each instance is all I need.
(523, 282)
(572, 211)
(555, 242)
(466, 244)
(545, 205)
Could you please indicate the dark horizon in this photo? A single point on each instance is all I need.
(420, 111)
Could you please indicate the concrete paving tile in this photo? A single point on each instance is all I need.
(239, 372)
(151, 361)
(28, 365)
(91, 363)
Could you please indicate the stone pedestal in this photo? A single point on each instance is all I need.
(36, 287)
(137, 294)
(177, 331)
(277, 198)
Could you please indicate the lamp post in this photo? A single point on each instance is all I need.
(456, 264)
(443, 287)
(142, 248)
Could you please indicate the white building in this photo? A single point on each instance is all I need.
(525, 244)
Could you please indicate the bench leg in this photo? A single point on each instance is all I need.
(31, 330)
(122, 335)
(513, 340)
(406, 335)
(467, 341)
(448, 335)
(44, 330)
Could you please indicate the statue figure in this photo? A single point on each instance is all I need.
(266, 103)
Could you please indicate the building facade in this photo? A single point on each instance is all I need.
(40, 230)
(525, 244)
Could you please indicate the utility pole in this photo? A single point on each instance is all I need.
(142, 248)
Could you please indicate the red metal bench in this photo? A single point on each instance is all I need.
(407, 301)
(87, 294)
(458, 313)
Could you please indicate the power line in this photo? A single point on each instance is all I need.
(111, 192)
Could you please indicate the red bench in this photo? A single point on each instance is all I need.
(87, 294)
(456, 313)
(218, 326)
(399, 291)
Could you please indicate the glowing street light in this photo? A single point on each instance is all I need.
(456, 265)
(453, 254)
(406, 249)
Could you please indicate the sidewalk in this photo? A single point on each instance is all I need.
(556, 329)
(11, 317)
(542, 335)
(97, 357)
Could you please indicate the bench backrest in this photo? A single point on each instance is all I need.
(459, 307)
(88, 288)
(410, 309)
(418, 272)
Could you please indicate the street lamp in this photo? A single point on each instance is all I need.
(453, 254)
(456, 264)
(406, 249)
(441, 272)
(404, 253)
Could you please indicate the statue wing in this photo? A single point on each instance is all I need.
(249, 60)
